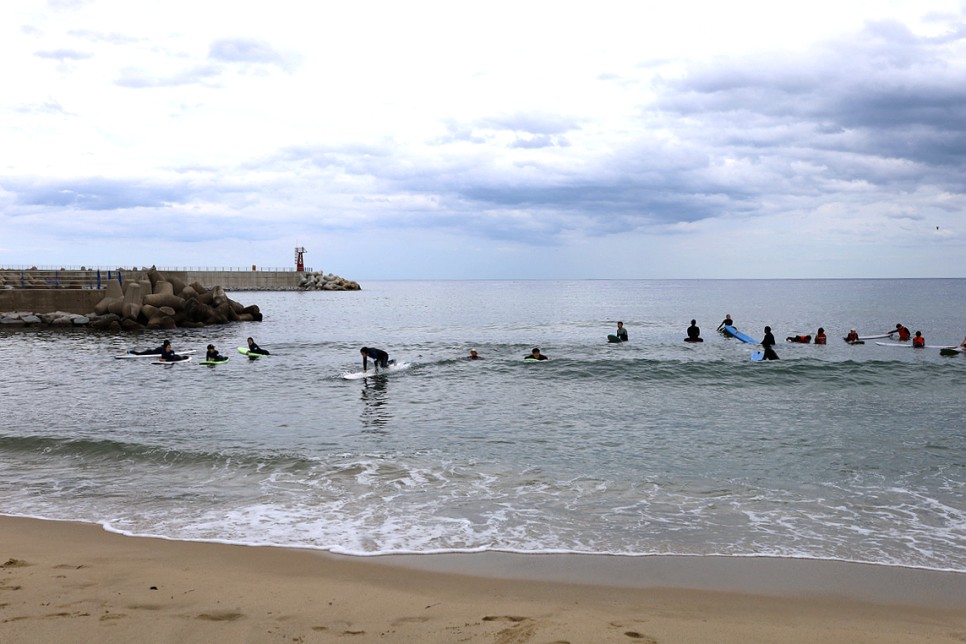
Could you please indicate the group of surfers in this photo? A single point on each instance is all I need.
(166, 353)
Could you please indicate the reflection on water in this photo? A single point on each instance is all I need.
(375, 408)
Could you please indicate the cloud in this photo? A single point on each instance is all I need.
(246, 51)
(63, 54)
(139, 78)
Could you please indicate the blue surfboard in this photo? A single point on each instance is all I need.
(735, 333)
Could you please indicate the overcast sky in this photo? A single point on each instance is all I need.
(487, 140)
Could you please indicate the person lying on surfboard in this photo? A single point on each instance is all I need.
(168, 354)
(254, 348)
(213, 355)
(379, 358)
(149, 352)
(535, 355)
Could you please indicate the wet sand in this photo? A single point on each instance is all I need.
(62, 581)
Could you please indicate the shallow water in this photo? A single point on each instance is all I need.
(654, 446)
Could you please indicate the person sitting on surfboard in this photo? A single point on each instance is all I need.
(903, 332)
(852, 337)
(535, 355)
(919, 342)
(768, 342)
(254, 348)
(168, 354)
(621, 332)
(820, 337)
(149, 352)
(213, 355)
(694, 332)
(473, 355)
(379, 358)
(726, 322)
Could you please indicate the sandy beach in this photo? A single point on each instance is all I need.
(69, 582)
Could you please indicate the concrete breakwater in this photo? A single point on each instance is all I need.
(157, 301)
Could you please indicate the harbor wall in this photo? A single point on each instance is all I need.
(78, 290)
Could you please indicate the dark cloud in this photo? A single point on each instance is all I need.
(96, 194)
(63, 54)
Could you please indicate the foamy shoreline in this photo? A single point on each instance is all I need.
(66, 581)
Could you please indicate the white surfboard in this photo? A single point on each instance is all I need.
(185, 361)
(368, 373)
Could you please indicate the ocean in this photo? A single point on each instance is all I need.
(655, 446)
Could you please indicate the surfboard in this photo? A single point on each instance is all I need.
(876, 337)
(847, 341)
(613, 338)
(757, 356)
(211, 363)
(185, 361)
(245, 352)
(368, 373)
(128, 356)
(951, 351)
(735, 333)
(909, 346)
(693, 340)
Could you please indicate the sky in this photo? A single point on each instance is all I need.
(487, 140)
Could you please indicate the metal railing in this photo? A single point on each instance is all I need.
(160, 269)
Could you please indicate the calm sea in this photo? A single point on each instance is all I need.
(854, 453)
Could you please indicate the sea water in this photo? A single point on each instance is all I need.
(656, 446)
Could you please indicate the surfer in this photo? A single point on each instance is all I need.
(257, 350)
(919, 342)
(768, 342)
(168, 354)
(621, 332)
(473, 355)
(801, 339)
(694, 333)
(852, 337)
(379, 358)
(726, 322)
(962, 345)
(535, 355)
(213, 355)
(903, 333)
(150, 352)
(820, 337)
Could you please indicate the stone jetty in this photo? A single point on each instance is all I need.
(152, 302)
(318, 281)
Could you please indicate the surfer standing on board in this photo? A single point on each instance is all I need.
(379, 358)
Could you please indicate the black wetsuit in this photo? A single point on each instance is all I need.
(149, 352)
(214, 356)
(768, 342)
(694, 333)
(171, 356)
(379, 358)
(530, 356)
(622, 334)
(254, 348)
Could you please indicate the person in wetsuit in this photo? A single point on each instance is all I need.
(379, 358)
(150, 352)
(726, 322)
(213, 355)
(168, 354)
(621, 332)
(694, 332)
(535, 355)
(768, 342)
(801, 339)
(254, 348)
